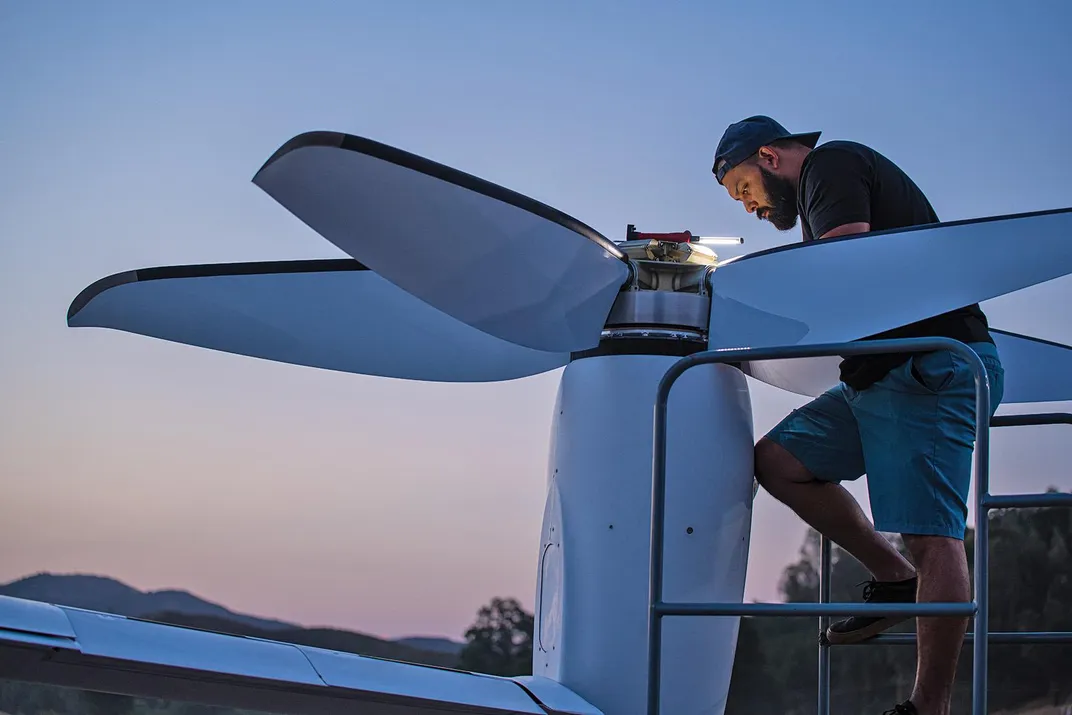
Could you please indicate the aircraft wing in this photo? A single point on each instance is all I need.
(71, 647)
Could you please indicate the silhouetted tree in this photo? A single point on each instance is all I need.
(500, 641)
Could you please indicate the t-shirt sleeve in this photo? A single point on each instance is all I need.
(837, 189)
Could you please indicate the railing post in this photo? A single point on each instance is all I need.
(825, 574)
(982, 540)
(658, 507)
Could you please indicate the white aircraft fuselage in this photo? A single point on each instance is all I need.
(593, 581)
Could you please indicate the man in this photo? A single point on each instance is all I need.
(906, 420)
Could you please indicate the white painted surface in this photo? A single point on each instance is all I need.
(491, 264)
(151, 644)
(135, 657)
(352, 321)
(838, 290)
(41, 619)
(557, 697)
(592, 595)
(1035, 371)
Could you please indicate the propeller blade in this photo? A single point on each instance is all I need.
(1035, 370)
(330, 314)
(71, 647)
(810, 377)
(502, 262)
(844, 289)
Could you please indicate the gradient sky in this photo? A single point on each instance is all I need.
(129, 133)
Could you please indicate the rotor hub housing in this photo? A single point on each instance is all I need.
(665, 306)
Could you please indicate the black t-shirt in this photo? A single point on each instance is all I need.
(845, 182)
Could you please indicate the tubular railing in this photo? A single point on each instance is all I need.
(978, 607)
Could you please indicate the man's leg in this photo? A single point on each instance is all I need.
(943, 577)
(917, 429)
(829, 509)
(801, 461)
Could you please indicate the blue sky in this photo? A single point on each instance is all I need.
(128, 136)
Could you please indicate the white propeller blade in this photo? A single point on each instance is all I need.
(331, 314)
(494, 259)
(843, 289)
(83, 649)
(1035, 370)
(803, 376)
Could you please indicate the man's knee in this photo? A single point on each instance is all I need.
(931, 549)
(774, 464)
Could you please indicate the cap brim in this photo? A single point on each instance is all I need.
(809, 139)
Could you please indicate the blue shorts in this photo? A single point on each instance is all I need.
(913, 436)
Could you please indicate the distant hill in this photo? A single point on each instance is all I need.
(439, 645)
(100, 593)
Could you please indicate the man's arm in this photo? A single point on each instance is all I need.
(837, 192)
(847, 229)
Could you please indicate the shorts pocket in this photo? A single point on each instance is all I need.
(933, 371)
(996, 376)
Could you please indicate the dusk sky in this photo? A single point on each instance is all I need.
(129, 134)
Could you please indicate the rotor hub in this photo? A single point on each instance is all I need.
(659, 310)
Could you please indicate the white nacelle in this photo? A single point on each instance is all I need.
(593, 578)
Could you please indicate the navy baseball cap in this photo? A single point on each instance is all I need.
(744, 138)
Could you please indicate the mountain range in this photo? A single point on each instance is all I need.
(182, 608)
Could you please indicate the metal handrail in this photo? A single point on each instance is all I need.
(1000, 637)
(979, 606)
(1032, 420)
(989, 502)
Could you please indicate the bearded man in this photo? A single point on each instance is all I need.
(906, 420)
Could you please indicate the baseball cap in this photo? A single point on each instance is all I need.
(744, 138)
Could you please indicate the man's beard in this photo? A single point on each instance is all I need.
(783, 198)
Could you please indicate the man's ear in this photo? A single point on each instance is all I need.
(768, 157)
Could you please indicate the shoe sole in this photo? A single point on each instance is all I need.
(862, 634)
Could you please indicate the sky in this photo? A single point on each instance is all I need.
(129, 133)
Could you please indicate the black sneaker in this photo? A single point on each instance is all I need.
(859, 628)
(905, 708)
